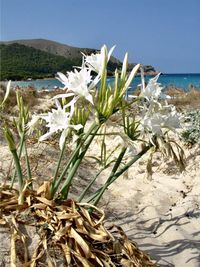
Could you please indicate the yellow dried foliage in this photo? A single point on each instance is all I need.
(80, 235)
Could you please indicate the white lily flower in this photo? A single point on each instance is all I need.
(33, 123)
(157, 119)
(78, 82)
(153, 90)
(96, 61)
(172, 119)
(59, 120)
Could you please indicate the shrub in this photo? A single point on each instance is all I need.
(191, 135)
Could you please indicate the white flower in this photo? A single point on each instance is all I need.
(172, 119)
(153, 90)
(33, 123)
(78, 82)
(157, 118)
(152, 123)
(59, 120)
(96, 61)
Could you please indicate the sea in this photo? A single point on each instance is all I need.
(183, 81)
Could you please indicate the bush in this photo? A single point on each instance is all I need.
(191, 135)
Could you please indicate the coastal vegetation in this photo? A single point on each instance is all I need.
(63, 207)
(191, 135)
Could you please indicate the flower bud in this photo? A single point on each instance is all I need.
(9, 138)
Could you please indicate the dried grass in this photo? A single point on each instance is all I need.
(184, 100)
(78, 235)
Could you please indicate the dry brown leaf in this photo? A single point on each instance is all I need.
(45, 189)
(16, 207)
(46, 201)
(8, 202)
(50, 261)
(36, 256)
(28, 200)
(65, 216)
(57, 236)
(95, 208)
(13, 254)
(98, 235)
(39, 206)
(81, 243)
(67, 253)
(3, 221)
(83, 260)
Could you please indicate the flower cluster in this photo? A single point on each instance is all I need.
(70, 117)
(77, 84)
(157, 117)
(80, 82)
(59, 120)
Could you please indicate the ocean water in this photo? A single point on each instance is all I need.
(178, 80)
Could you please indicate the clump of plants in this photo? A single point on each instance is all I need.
(81, 114)
(191, 135)
(184, 100)
(29, 95)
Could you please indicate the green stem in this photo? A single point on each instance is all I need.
(92, 182)
(74, 155)
(18, 169)
(120, 172)
(27, 164)
(115, 167)
(57, 168)
(67, 183)
(19, 155)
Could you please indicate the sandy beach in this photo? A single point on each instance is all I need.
(161, 215)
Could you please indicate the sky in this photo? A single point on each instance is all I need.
(161, 33)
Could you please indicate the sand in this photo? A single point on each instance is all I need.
(162, 215)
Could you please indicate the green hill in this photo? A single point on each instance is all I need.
(58, 49)
(21, 62)
(39, 58)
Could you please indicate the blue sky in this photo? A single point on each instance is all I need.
(162, 33)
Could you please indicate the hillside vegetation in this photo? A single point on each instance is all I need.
(39, 58)
(20, 62)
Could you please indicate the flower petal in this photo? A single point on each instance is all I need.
(62, 78)
(131, 76)
(63, 95)
(7, 92)
(89, 98)
(62, 138)
(110, 52)
(45, 136)
(76, 127)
